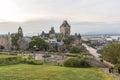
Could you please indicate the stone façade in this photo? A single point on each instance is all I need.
(65, 28)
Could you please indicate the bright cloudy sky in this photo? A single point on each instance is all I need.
(102, 16)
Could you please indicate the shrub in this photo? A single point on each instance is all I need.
(38, 62)
(30, 57)
(13, 53)
(75, 49)
(84, 63)
(76, 62)
(5, 53)
(71, 55)
(10, 60)
(72, 62)
(47, 55)
(31, 61)
(52, 50)
(35, 62)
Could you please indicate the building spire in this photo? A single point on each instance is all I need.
(20, 31)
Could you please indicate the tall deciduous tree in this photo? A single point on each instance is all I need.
(68, 40)
(111, 53)
(14, 38)
(39, 43)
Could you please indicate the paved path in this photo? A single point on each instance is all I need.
(101, 64)
(112, 74)
(96, 55)
(97, 63)
(92, 50)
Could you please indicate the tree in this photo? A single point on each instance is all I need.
(111, 53)
(76, 62)
(59, 39)
(75, 49)
(23, 44)
(14, 38)
(39, 43)
(68, 40)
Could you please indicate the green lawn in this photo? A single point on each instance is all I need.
(50, 72)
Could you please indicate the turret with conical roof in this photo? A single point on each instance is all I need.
(65, 28)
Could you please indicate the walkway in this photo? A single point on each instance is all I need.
(96, 55)
(101, 64)
(112, 74)
(92, 50)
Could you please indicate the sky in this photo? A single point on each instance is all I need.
(84, 16)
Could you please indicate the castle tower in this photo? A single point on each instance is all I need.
(65, 28)
(20, 31)
(52, 31)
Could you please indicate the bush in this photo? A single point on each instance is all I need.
(76, 62)
(84, 63)
(71, 55)
(35, 62)
(30, 57)
(31, 61)
(38, 62)
(52, 50)
(47, 55)
(14, 52)
(10, 60)
(75, 49)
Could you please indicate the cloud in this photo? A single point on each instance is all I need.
(77, 10)
(83, 15)
(97, 27)
(39, 25)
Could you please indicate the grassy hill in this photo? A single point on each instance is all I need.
(50, 72)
